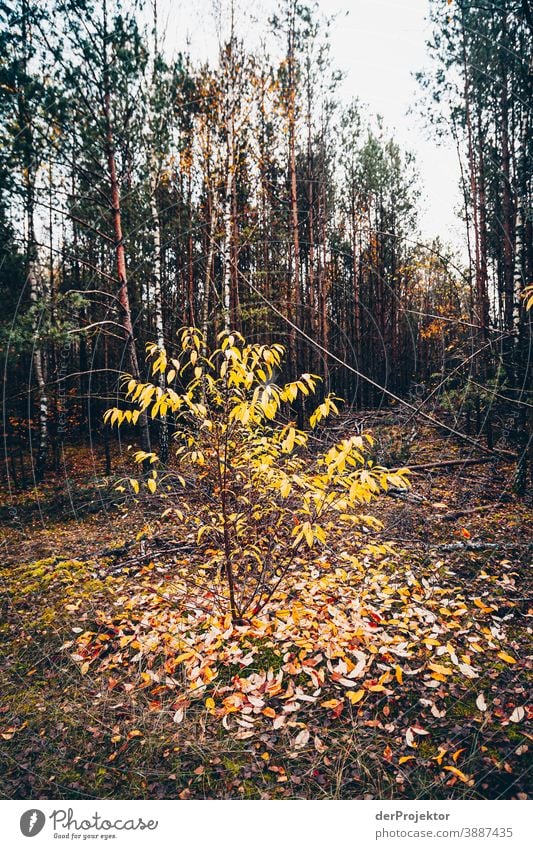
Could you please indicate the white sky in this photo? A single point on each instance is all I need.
(379, 45)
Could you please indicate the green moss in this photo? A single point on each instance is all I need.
(267, 658)
(514, 735)
(250, 790)
(461, 708)
(48, 615)
(232, 766)
(427, 749)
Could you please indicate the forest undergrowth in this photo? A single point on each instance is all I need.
(387, 668)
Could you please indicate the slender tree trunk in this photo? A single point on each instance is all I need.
(190, 251)
(356, 286)
(158, 309)
(293, 285)
(227, 214)
(120, 254)
(311, 271)
(33, 279)
(38, 367)
(483, 296)
(474, 190)
(154, 170)
(509, 222)
(325, 284)
(208, 270)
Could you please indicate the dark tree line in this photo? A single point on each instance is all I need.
(139, 194)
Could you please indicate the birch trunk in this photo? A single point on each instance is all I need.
(226, 215)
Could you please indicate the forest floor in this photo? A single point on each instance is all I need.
(375, 674)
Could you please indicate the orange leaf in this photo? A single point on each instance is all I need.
(458, 773)
(387, 753)
(440, 756)
(336, 712)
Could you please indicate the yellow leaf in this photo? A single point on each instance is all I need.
(210, 703)
(285, 488)
(134, 485)
(151, 484)
(442, 670)
(479, 603)
(507, 657)
(405, 758)
(185, 656)
(355, 696)
(438, 677)
(399, 675)
(331, 703)
(458, 773)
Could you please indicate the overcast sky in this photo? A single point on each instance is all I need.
(379, 44)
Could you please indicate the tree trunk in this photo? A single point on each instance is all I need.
(158, 309)
(120, 254)
(293, 285)
(226, 218)
(33, 274)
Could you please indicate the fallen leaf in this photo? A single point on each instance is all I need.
(458, 773)
(331, 704)
(517, 715)
(481, 704)
(409, 738)
(506, 657)
(301, 739)
(355, 696)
